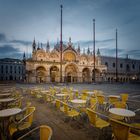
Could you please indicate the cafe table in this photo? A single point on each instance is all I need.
(3, 95)
(90, 92)
(61, 95)
(45, 91)
(122, 112)
(4, 101)
(78, 102)
(5, 121)
(6, 91)
(113, 96)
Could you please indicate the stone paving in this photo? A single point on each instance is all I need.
(63, 128)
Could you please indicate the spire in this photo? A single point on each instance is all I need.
(127, 56)
(57, 40)
(69, 39)
(78, 50)
(84, 51)
(24, 58)
(41, 46)
(70, 44)
(88, 51)
(34, 45)
(38, 48)
(48, 46)
(98, 52)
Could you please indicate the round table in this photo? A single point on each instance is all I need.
(6, 91)
(4, 102)
(61, 95)
(5, 94)
(9, 112)
(122, 112)
(5, 115)
(45, 91)
(114, 96)
(78, 101)
(75, 90)
(90, 92)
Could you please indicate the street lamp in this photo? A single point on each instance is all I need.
(94, 48)
(61, 6)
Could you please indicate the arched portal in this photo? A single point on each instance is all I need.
(54, 71)
(95, 72)
(71, 73)
(41, 74)
(86, 75)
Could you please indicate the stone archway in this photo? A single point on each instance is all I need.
(86, 75)
(40, 74)
(71, 73)
(97, 75)
(54, 71)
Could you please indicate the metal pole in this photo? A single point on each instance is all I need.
(61, 6)
(94, 49)
(116, 56)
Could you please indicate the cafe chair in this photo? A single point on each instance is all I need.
(24, 112)
(113, 100)
(57, 103)
(101, 103)
(16, 103)
(23, 123)
(93, 103)
(136, 128)
(49, 98)
(44, 130)
(120, 104)
(95, 120)
(69, 111)
(121, 131)
(77, 94)
(84, 96)
(71, 89)
(64, 90)
(124, 97)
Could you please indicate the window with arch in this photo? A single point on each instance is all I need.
(106, 64)
(133, 66)
(127, 67)
(113, 65)
(121, 65)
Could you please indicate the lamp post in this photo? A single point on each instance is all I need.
(94, 49)
(61, 6)
(116, 56)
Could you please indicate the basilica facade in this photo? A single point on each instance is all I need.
(44, 65)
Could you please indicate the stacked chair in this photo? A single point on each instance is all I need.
(44, 130)
(23, 123)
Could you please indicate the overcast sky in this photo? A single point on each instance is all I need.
(22, 20)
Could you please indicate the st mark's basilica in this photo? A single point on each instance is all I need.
(44, 64)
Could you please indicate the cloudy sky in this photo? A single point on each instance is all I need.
(22, 20)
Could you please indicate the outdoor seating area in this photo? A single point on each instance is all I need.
(107, 115)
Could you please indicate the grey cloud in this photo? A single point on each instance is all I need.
(2, 37)
(21, 42)
(90, 42)
(8, 49)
